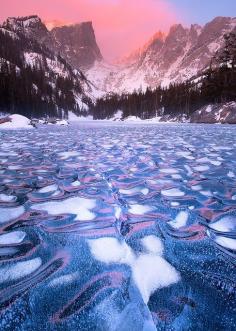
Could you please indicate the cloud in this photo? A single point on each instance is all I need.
(120, 25)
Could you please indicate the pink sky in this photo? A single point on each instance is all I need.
(120, 25)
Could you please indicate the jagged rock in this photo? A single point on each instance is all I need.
(218, 113)
(181, 55)
(75, 43)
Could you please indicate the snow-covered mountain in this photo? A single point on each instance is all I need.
(75, 43)
(35, 80)
(180, 55)
(72, 64)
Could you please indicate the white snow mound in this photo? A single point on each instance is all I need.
(17, 122)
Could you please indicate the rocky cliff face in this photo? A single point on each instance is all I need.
(35, 81)
(75, 43)
(218, 113)
(179, 56)
(31, 26)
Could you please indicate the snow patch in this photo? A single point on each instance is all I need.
(17, 122)
(140, 209)
(19, 270)
(12, 238)
(77, 206)
(8, 214)
(174, 192)
(180, 220)
(150, 271)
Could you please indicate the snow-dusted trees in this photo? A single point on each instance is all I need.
(34, 90)
(216, 84)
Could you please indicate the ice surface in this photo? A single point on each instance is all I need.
(172, 193)
(10, 238)
(224, 224)
(140, 209)
(63, 280)
(79, 206)
(7, 198)
(19, 270)
(109, 226)
(150, 270)
(180, 220)
(8, 214)
(226, 242)
(48, 189)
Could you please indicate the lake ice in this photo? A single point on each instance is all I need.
(118, 227)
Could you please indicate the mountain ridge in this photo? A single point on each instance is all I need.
(76, 43)
(181, 55)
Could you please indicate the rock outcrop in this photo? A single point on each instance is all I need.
(75, 43)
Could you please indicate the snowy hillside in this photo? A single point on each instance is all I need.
(35, 81)
(174, 58)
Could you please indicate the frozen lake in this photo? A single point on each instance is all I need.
(118, 227)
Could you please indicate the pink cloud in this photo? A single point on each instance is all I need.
(120, 25)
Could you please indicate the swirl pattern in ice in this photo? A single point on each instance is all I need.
(117, 227)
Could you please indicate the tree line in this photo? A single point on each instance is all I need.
(216, 84)
(34, 90)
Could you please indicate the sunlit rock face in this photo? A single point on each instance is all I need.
(30, 26)
(75, 43)
(218, 113)
(180, 55)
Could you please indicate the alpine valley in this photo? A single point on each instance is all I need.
(50, 71)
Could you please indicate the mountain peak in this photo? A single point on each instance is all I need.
(16, 23)
(75, 42)
(176, 28)
(31, 26)
(80, 38)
